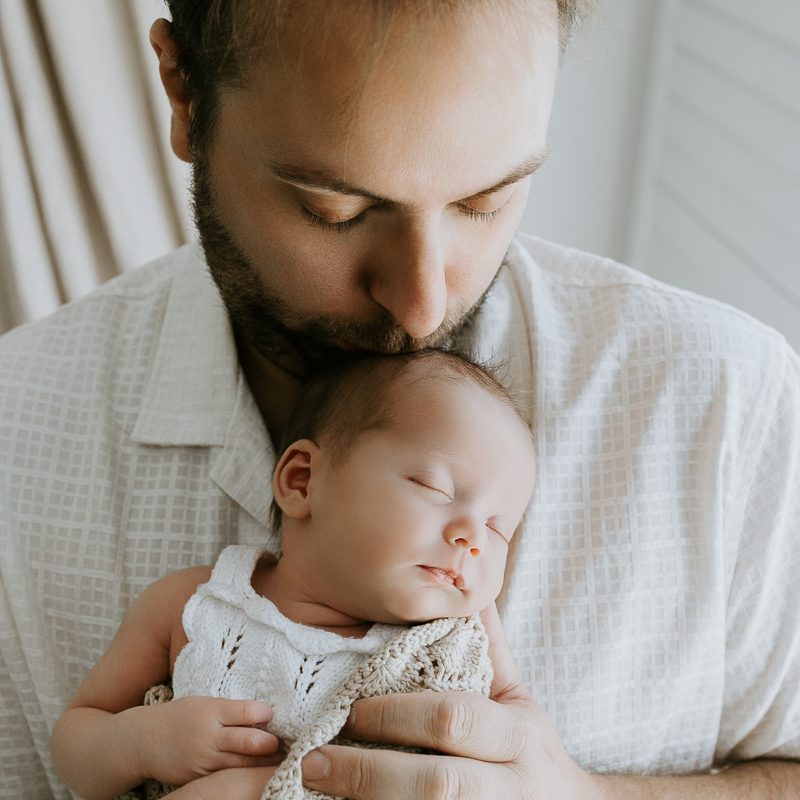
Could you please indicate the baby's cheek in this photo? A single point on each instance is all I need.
(497, 577)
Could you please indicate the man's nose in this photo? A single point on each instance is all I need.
(466, 533)
(409, 278)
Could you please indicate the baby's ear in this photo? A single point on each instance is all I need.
(292, 476)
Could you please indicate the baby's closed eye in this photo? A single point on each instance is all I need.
(431, 484)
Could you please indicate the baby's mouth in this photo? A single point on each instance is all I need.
(446, 575)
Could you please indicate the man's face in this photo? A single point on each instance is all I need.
(359, 200)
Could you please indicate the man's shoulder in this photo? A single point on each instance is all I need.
(101, 343)
(591, 293)
(568, 266)
(141, 286)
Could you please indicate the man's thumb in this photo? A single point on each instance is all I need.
(507, 683)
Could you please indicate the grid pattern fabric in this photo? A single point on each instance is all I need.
(650, 597)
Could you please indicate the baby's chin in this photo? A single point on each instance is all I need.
(418, 616)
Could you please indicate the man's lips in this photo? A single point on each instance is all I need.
(446, 575)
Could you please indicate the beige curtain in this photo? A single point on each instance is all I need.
(88, 185)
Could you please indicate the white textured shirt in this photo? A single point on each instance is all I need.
(243, 648)
(651, 595)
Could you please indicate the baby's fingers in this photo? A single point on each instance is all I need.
(236, 760)
(242, 712)
(251, 742)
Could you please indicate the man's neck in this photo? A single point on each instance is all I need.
(274, 390)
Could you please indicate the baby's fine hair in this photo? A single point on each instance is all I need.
(356, 396)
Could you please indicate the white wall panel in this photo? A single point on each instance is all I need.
(582, 195)
(778, 20)
(717, 203)
(699, 261)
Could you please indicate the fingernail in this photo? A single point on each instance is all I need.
(316, 766)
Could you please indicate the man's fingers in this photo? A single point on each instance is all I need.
(364, 774)
(456, 723)
(507, 682)
(230, 784)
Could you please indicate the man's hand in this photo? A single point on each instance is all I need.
(194, 736)
(228, 784)
(503, 747)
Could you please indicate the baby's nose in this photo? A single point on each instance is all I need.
(465, 534)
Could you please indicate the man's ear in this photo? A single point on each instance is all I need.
(290, 482)
(166, 48)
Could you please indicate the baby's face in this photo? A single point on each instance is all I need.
(414, 522)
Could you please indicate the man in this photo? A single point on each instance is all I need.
(360, 170)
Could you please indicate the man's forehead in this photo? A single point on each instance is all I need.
(454, 121)
(303, 35)
(379, 19)
(244, 34)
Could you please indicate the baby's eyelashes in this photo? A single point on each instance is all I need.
(431, 485)
(495, 529)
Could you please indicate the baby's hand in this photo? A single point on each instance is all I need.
(194, 736)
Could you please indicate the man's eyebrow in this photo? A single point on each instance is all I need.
(527, 167)
(314, 178)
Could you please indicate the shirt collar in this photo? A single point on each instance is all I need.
(243, 466)
(192, 386)
(197, 395)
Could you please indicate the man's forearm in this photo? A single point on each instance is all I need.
(753, 780)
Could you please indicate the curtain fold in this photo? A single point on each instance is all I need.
(88, 186)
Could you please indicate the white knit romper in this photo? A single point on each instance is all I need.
(241, 647)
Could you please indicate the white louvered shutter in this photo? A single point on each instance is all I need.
(717, 207)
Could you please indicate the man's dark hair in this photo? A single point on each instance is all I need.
(337, 406)
(220, 39)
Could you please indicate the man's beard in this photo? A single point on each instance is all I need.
(299, 346)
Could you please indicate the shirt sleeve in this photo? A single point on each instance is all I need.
(22, 773)
(761, 700)
(25, 771)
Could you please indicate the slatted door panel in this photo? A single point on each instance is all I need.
(718, 200)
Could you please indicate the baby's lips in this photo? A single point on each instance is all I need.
(456, 577)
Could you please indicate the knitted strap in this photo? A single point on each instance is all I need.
(235, 565)
(375, 677)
